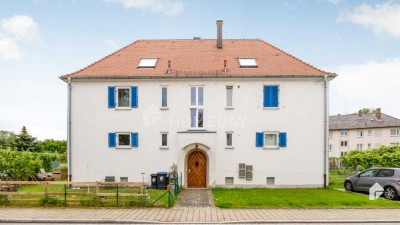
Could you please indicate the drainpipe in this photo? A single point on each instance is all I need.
(69, 131)
(326, 129)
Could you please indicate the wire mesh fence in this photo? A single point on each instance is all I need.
(81, 194)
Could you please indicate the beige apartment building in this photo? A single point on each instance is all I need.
(362, 131)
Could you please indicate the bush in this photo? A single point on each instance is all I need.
(21, 165)
(385, 156)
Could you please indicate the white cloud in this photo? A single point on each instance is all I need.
(372, 85)
(382, 18)
(335, 2)
(111, 44)
(13, 31)
(168, 7)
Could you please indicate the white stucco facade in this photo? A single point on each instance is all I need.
(300, 114)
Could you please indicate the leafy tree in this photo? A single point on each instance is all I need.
(25, 141)
(367, 110)
(18, 165)
(50, 145)
(7, 139)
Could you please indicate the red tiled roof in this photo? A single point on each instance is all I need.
(198, 57)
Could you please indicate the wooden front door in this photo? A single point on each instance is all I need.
(197, 170)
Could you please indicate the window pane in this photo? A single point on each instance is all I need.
(200, 93)
(148, 62)
(193, 118)
(164, 141)
(124, 139)
(229, 139)
(123, 97)
(164, 97)
(247, 62)
(229, 92)
(200, 121)
(270, 139)
(193, 95)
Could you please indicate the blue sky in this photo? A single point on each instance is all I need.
(43, 39)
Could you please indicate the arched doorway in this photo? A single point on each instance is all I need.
(197, 169)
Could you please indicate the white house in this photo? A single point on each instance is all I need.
(362, 132)
(237, 112)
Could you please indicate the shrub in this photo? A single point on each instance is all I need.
(385, 156)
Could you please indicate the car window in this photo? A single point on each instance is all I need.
(386, 173)
(368, 173)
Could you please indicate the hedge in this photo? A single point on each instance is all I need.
(385, 156)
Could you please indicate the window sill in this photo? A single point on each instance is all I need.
(164, 148)
(123, 108)
(164, 108)
(123, 147)
(270, 108)
(271, 148)
(229, 147)
(229, 107)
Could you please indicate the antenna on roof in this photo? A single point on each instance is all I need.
(169, 70)
(225, 69)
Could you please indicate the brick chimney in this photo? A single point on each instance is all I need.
(359, 113)
(219, 33)
(378, 113)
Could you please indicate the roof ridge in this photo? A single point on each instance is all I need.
(191, 39)
(290, 55)
(105, 57)
(390, 116)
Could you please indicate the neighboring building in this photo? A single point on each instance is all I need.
(227, 112)
(362, 132)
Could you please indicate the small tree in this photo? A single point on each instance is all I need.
(25, 141)
(7, 139)
(367, 110)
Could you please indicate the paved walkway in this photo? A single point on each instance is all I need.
(195, 198)
(196, 215)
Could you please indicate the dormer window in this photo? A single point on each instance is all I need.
(247, 62)
(148, 63)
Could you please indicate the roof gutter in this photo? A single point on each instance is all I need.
(326, 129)
(93, 77)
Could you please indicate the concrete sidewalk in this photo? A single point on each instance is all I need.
(196, 215)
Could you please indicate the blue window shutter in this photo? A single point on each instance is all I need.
(282, 139)
(265, 94)
(134, 96)
(111, 97)
(259, 139)
(271, 96)
(112, 140)
(134, 140)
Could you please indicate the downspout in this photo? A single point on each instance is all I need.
(69, 131)
(326, 129)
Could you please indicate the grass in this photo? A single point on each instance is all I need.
(77, 197)
(295, 198)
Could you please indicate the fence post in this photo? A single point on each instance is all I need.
(117, 196)
(169, 198)
(97, 189)
(65, 194)
(46, 184)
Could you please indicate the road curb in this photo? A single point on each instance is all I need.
(117, 221)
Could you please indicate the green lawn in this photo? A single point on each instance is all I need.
(295, 198)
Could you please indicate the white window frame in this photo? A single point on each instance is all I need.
(164, 107)
(346, 131)
(226, 97)
(369, 145)
(347, 144)
(360, 133)
(343, 153)
(117, 97)
(277, 140)
(197, 107)
(142, 60)
(161, 136)
(226, 140)
(330, 148)
(396, 131)
(123, 146)
(370, 132)
(360, 146)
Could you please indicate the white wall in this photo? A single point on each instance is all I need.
(379, 136)
(300, 115)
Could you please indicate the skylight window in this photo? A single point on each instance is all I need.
(148, 63)
(247, 62)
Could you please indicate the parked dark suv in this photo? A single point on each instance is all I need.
(388, 178)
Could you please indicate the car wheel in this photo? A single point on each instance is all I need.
(348, 186)
(390, 193)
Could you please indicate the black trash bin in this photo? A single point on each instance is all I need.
(153, 181)
(162, 180)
